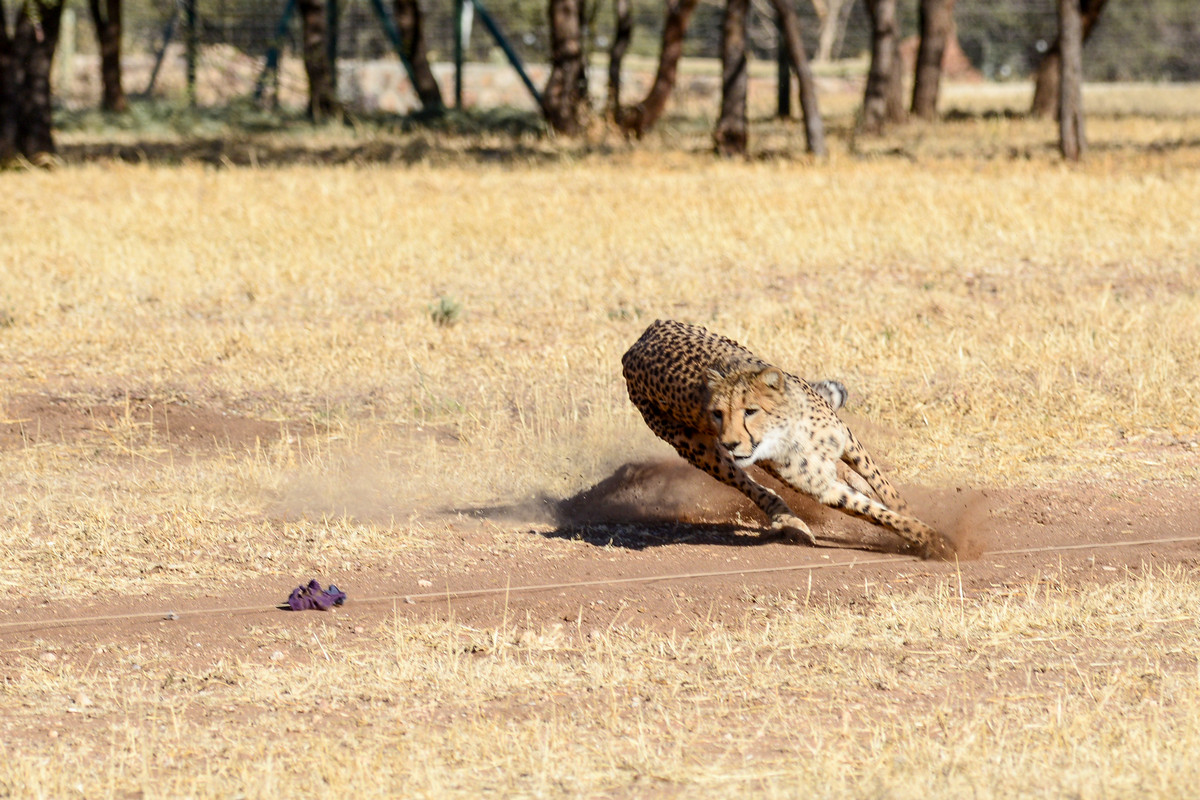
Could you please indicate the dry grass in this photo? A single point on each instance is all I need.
(1035, 691)
(1011, 320)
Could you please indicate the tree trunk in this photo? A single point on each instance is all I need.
(621, 39)
(410, 24)
(1045, 84)
(322, 98)
(897, 108)
(1046, 87)
(8, 92)
(26, 122)
(937, 28)
(730, 134)
(814, 128)
(1070, 115)
(565, 96)
(882, 100)
(832, 15)
(107, 21)
(641, 118)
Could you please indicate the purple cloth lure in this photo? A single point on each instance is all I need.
(313, 596)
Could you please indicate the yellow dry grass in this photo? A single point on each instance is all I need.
(1009, 321)
(1034, 691)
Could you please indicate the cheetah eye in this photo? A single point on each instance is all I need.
(717, 416)
(751, 411)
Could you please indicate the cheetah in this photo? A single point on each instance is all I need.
(724, 408)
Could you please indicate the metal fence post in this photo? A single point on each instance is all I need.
(784, 96)
(192, 46)
(459, 20)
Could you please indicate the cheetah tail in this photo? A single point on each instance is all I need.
(834, 392)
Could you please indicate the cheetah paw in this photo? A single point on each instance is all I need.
(792, 527)
(938, 548)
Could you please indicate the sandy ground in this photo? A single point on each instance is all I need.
(656, 544)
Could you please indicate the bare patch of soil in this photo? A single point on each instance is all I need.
(32, 419)
(655, 544)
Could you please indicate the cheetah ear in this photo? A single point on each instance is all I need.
(772, 378)
(714, 378)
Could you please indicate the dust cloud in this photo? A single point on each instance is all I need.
(651, 493)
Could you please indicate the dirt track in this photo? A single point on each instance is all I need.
(655, 544)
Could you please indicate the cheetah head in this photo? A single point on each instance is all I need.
(741, 409)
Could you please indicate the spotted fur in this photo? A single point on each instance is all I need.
(724, 408)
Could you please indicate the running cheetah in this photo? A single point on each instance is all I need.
(723, 409)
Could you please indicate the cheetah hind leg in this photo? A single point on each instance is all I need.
(846, 474)
(835, 494)
(861, 464)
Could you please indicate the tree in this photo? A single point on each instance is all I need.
(107, 21)
(564, 100)
(26, 54)
(638, 119)
(623, 35)
(322, 92)
(1046, 87)
(410, 24)
(832, 16)
(1070, 113)
(882, 101)
(730, 135)
(937, 28)
(814, 129)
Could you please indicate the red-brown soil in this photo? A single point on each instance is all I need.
(655, 544)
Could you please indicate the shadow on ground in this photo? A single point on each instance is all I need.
(243, 134)
(655, 503)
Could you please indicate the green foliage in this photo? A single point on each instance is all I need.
(1150, 40)
(177, 116)
(445, 312)
(163, 117)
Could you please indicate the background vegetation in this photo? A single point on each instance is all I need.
(1153, 40)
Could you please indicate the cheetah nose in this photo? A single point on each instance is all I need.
(730, 446)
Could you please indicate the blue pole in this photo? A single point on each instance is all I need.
(332, 22)
(393, 34)
(459, 8)
(513, 58)
(272, 64)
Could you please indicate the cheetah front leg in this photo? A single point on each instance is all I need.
(723, 468)
(705, 453)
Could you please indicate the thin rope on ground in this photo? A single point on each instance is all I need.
(63, 622)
